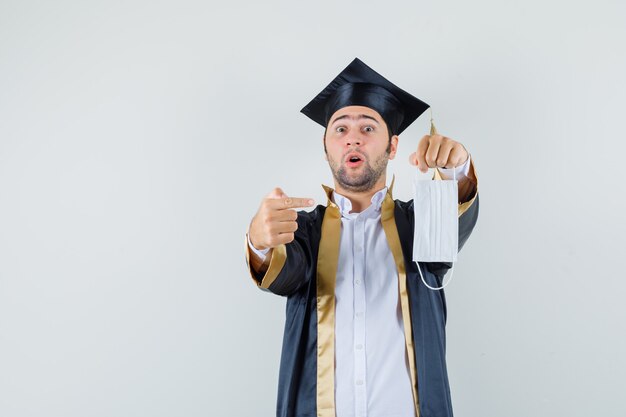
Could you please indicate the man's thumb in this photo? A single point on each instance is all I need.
(277, 193)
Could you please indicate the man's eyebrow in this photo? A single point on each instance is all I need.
(360, 116)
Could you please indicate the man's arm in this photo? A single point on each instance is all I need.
(437, 151)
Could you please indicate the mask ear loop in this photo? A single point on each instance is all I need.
(433, 131)
(435, 288)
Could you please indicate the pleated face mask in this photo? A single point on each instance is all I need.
(436, 234)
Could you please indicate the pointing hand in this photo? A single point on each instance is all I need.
(275, 221)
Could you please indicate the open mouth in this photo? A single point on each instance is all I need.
(354, 160)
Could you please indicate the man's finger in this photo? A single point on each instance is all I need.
(420, 155)
(284, 215)
(284, 238)
(443, 157)
(277, 193)
(285, 227)
(290, 202)
(457, 157)
(432, 152)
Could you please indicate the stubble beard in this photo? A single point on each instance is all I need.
(366, 180)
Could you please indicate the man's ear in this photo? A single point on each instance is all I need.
(393, 146)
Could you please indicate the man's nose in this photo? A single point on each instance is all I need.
(354, 139)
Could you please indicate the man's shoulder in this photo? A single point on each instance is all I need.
(404, 205)
(403, 212)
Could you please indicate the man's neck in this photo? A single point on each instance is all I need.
(361, 199)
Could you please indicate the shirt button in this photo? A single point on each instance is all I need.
(358, 281)
(359, 347)
(359, 382)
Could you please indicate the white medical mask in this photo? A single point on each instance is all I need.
(436, 234)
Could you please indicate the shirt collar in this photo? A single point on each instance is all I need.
(377, 198)
(345, 205)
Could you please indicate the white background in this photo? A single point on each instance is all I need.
(138, 137)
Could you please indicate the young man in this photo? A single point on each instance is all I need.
(364, 337)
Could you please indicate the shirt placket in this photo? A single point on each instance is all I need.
(360, 377)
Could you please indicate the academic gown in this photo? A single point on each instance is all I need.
(304, 272)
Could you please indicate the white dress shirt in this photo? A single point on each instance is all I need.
(371, 366)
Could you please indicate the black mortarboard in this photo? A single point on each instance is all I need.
(359, 85)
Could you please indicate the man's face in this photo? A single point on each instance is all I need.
(358, 147)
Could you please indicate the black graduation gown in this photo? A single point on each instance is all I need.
(304, 272)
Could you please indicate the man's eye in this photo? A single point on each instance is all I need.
(369, 128)
(340, 129)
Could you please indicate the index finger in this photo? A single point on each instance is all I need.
(290, 202)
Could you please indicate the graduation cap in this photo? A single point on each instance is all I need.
(359, 85)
